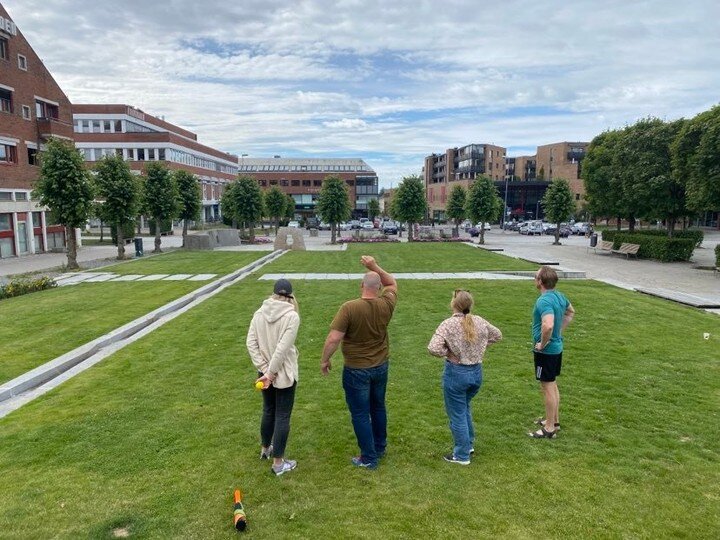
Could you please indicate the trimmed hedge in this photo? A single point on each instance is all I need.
(695, 235)
(23, 286)
(717, 255)
(653, 246)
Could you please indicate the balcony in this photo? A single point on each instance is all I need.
(573, 157)
(52, 127)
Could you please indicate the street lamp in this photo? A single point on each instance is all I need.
(505, 204)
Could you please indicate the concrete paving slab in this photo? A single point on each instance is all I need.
(154, 277)
(202, 277)
(682, 298)
(127, 277)
(178, 277)
(101, 278)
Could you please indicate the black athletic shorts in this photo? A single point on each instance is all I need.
(547, 366)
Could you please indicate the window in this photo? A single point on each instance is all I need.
(577, 196)
(283, 182)
(4, 49)
(317, 183)
(46, 110)
(32, 156)
(7, 249)
(5, 222)
(7, 154)
(306, 183)
(263, 183)
(5, 100)
(161, 154)
(5, 196)
(21, 196)
(22, 62)
(26, 112)
(295, 183)
(118, 126)
(273, 182)
(141, 154)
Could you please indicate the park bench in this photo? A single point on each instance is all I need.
(627, 250)
(603, 246)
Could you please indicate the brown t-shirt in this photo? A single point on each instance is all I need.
(364, 322)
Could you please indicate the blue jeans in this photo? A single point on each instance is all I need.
(365, 397)
(460, 384)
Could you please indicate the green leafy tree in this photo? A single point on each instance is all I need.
(248, 203)
(119, 189)
(275, 202)
(161, 197)
(696, 160)
(290, 207)
(483, 203)
(333, 205)
(189, 198)
(599, 176)
(455, 208)
(65, 187)
(409, 203)
(558, 204)
(373, 208)
(227, 205)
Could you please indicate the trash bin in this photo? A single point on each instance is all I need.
(593, 240)
(138, 247)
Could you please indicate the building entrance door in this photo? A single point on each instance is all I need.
(22, 237)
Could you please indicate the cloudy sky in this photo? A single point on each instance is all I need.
(390, 82)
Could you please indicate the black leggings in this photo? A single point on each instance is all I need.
(275, 425)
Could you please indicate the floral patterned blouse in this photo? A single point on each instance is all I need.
(449, 338)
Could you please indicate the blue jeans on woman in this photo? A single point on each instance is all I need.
(365, 397)
(460, 384)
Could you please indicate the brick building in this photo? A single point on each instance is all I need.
(459, 166)
(520, 168)
(302, 178)
(33, 108)
(563, 160)
(141, 138)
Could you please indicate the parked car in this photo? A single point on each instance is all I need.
(355, 224)
(294, 224)
(389, 227)
(516, 225)
(344, 226)
(466, 225)
(323, 226)
(487, 226)
(312, 222)
(367, 225)
(581, 227)
(532, 228)
(564, 230)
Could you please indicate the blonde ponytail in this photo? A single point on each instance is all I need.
(463, 302)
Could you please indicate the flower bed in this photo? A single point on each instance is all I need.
(439, 239)
(258, 240)
(365, 240)
(20, 287)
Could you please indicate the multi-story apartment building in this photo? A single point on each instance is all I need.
(459, 166)
(33, 108)
(302, 178)
(141, 138)
(563, 160)
(520, 168)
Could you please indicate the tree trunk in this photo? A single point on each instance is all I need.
(185, 227)
(157, 237)
(277, 225)
(411, 232)
(252, 232)
(619, 222)
(457, 229)
(120, 242)
(101, 231)
(557, 235)
(671, 226)
(71, 249)
(139, 225)
(631, 224)
(481, 240)
(333, 233)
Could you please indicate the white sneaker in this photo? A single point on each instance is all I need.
(266, 454)
(286, 466)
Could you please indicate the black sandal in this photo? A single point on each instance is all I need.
(542, 434)
(541, 422)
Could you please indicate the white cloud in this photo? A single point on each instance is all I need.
(365, 77)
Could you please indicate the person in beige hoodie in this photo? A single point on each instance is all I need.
(271, 345)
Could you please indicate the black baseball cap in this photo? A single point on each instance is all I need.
(283, 287)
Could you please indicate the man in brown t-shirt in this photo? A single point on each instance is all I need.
(361, 326)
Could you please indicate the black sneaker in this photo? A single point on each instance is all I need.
(450, 458)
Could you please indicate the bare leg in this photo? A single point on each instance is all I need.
(551, 404)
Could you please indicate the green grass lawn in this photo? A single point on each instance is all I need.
(40, 326)
(428, 257)
(187, 262)
(154, 439)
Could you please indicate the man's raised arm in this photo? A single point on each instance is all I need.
(387, 279)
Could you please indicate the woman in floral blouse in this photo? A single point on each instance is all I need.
(462, 340)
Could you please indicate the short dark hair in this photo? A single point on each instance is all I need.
(548, 277)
